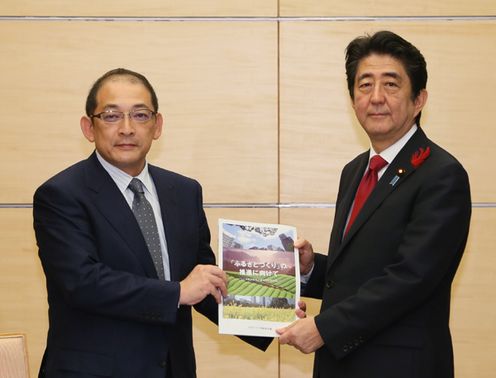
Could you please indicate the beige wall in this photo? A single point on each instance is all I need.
(256, 109)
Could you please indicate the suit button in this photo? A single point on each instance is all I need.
(330, 284)
(163, 364)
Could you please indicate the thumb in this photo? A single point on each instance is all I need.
(281, 331)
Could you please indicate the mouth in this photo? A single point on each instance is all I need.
(378, 114)
(125, 146)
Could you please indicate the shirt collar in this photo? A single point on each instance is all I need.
(121, 178)
(390, 153)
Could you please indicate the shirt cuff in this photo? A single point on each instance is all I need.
(305, 277)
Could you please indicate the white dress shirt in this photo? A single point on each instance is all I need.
(388, 154)
(122, 180)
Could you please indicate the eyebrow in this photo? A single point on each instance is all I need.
(391, 74)
(117, 107)
(394, 75)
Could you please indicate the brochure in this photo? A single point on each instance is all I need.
(263, 273)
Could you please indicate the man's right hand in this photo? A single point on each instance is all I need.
(301, 311)
(305, 250)
(202, 281)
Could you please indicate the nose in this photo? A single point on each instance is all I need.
(377, 94)
(126, 127)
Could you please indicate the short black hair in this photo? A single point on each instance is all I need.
(387, 43)
(91, 99)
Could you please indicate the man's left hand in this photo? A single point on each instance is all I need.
(302, 334)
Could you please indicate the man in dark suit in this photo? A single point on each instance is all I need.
(114, 309)
(385, 283)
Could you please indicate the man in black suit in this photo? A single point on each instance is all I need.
(114, 311)
(385, 283)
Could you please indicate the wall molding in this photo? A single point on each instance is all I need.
(248, 19)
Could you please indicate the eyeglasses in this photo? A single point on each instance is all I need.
(114, 116)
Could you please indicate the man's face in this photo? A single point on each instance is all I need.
(125, 143)
(383, 100)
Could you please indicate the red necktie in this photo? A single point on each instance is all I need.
(366, 186)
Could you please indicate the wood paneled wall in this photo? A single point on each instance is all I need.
(256, 108)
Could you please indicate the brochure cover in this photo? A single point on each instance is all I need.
(263, 273)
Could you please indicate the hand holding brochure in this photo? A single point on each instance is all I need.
(263, 272)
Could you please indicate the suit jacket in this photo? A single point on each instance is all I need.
(385, 286)
(109, 315)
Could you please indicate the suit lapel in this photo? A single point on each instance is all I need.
(349, 195)
(395, 175)
(113, 206)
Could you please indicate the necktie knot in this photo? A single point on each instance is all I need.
(136, 186)
(377, 163)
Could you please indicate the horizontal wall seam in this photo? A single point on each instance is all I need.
(282, 205)
(248, 19)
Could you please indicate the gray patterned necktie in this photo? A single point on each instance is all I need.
(143, 212)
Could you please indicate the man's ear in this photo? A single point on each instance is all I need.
(159, 123)
(420, 101)
(352, 101)
(87, 128)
